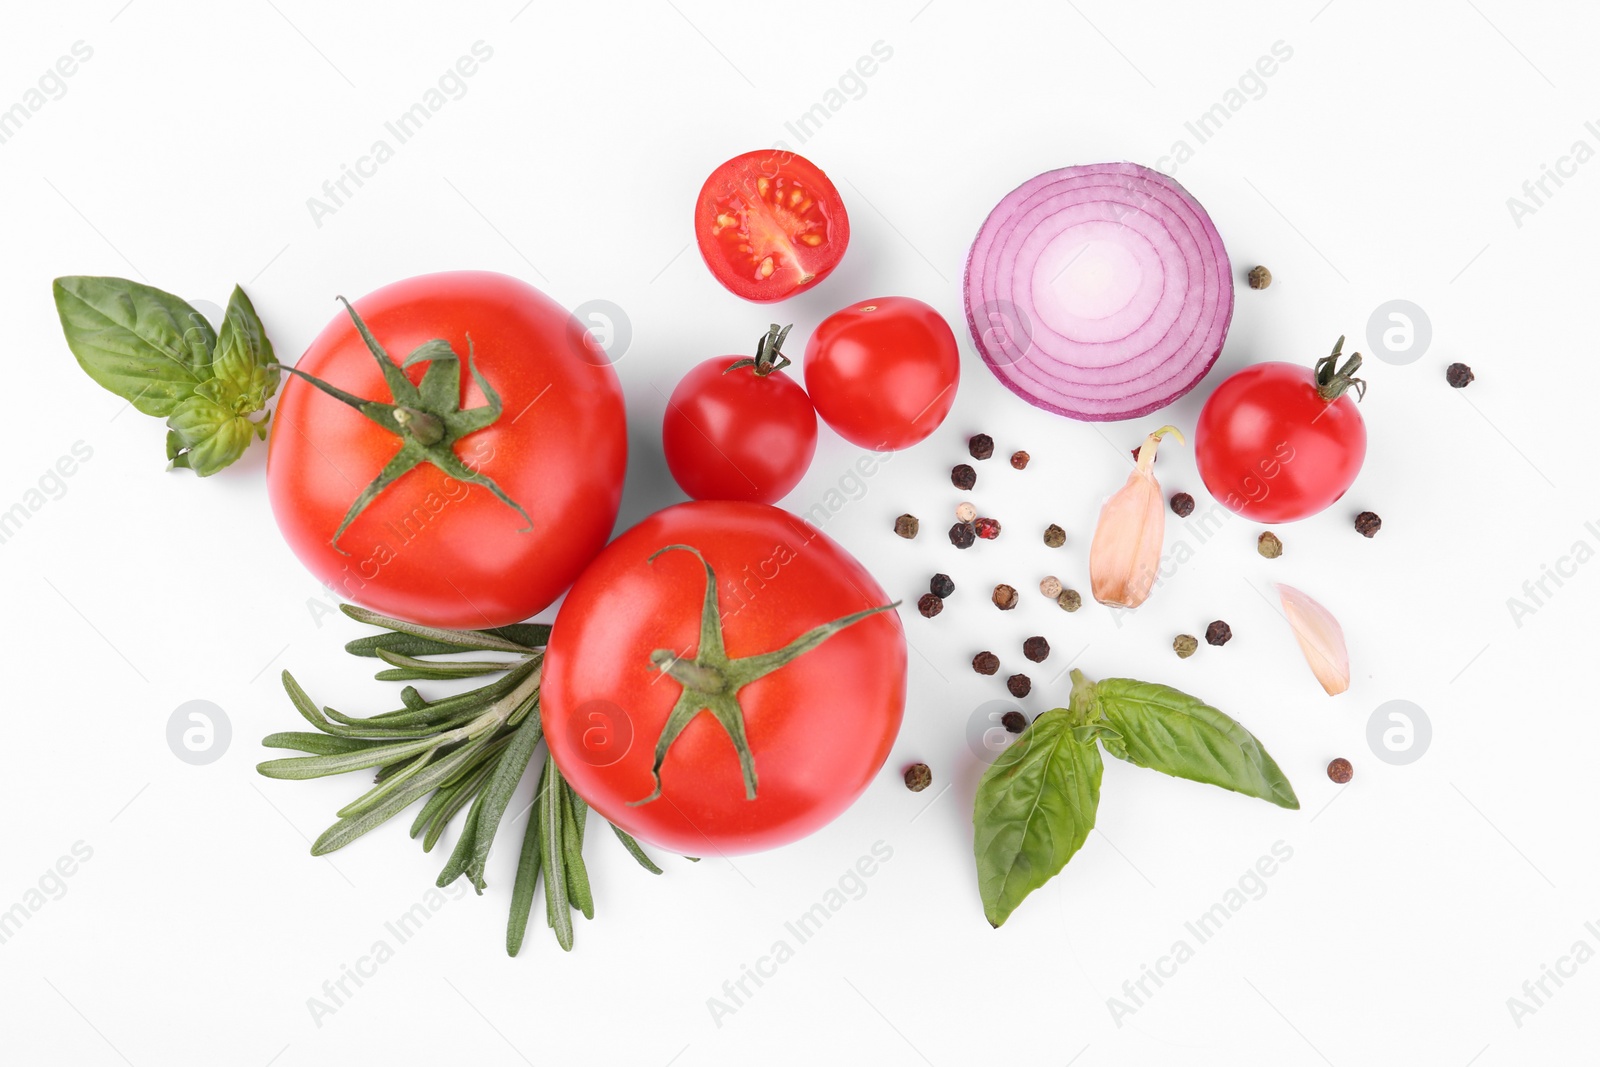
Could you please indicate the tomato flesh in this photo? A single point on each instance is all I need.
(770, 224)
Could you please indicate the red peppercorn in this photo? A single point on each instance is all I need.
(988, 529)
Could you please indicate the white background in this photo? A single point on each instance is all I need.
(1376, 165)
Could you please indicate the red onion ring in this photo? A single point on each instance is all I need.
(1099, 292)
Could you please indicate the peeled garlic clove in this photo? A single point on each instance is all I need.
(1125, 555)
(1321, 639)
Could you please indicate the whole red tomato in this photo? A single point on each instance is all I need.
(1278, 442)
(883, 373)
(770, 224)
(442, 547)
(817, 728)
(740, 429)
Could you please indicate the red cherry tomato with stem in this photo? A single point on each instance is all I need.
(740, 428)
(1278, 442)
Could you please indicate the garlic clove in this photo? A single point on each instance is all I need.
(1321, 639)
(1125, 555)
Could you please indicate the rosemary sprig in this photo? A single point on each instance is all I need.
(466, 752)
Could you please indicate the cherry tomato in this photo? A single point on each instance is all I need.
(817, 728)
(770, 225)
(883, 373)
(738, 428)
(432, 547)
(1272, 446)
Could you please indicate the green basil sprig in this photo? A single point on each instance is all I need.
(1037, 802)
(161, 355)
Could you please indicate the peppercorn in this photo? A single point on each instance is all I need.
(1014, 721)
(1054, 536)
(1340, 771)
(986, 663)
(1051, 587)
(930, 605)
(1459, 375)
(1019, 685)
(906, 526)
(1036, 649)
(966, 512)
(1259, 277)
(988, 529)
(1269, 545)
(1182, 505)
(1218, 633)
(1069, 600)
(941, 586)
(918, 777)
(981, 446)
(1184, 645)
(963, 477)
(1368, 523)
(1019, 460)
(962, 535)
(1005, 597)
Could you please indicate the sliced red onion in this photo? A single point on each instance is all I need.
(1100, 292)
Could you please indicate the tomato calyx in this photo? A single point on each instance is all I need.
(769, 353)
(428, 418)
(1333, 383)
(711, 679)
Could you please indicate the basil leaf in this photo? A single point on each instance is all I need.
(1035, 807)
(148, 347)
(242, 356)
(1176, 734)
(206, 436)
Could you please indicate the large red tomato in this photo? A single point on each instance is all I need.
(444, 548)
(818, 727)
(883, 373)
(1278, 442)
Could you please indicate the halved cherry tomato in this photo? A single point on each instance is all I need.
(770, 225)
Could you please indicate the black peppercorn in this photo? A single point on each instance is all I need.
(941, 586)
(1036, 649)
(963, 477)
(1019, 685)
(962, 535)
(1054, 536)
(930, 605)
(918, 777)
(986, 663)
(1459, 375)
(1019, 460)
(1182, 505)
(1014, 721)
(1218, 633)
(906, 526)
(1368, 523)
(981, 446)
